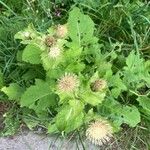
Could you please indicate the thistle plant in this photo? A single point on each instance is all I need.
(76, 83)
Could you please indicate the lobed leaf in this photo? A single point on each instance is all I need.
(31, 54)
(13, 91)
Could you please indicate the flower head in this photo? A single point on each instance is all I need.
(49, 41)
(99, 132)
(98, 85)
(68, 83)
(62, 31)
(54, 52)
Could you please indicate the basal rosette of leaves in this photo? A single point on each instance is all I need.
(80, 84)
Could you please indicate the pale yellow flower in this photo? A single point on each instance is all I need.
(99, 132)
(61, 31)
(54, 52)
(68, 83)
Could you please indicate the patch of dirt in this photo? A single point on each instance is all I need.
(3, 108)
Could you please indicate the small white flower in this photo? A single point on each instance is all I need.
(54, 52)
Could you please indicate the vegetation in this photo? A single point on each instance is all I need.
(66, 64)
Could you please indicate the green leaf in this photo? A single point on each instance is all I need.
(27, 34)
(120, 114)
(39, 91)
(52, 128)
(75, 67)
(13, 91)
(93, 98)
(47, 62)
(132, 60)
(43, 104)
(31, 54)
(19, 56)
(75, 122)
(118, 86)
(78, 31)
(74, 51)
(144, 102)
(30, 122)
(70, 117)
(63, 117)
(77, 106)
(50, 63)
(132, 72)
(36, 72)
(130, 115)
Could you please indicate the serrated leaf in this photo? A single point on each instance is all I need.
(93, 98)
(31, 54)
(78, 31)
(74, 51)
(35, 92)
(133, 61)
(75, 67)
(116, 81)
(144, 102)
(49, 63)
(31, 123)
(118, 86)
(46, 61)
(32, 73)
(27, 34)
(69, 115)
(120, 114)
(75, 123)
(130, 115)
(62, 118)
(43, 104)
(13, 91)
(77, 106)
(116, 92)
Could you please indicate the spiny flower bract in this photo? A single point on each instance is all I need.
(49, 41)
(98, 85)
(68, 83)
(99, 132)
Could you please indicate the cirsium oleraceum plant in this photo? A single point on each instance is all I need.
(69, 82)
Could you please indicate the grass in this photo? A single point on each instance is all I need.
(123, 22)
